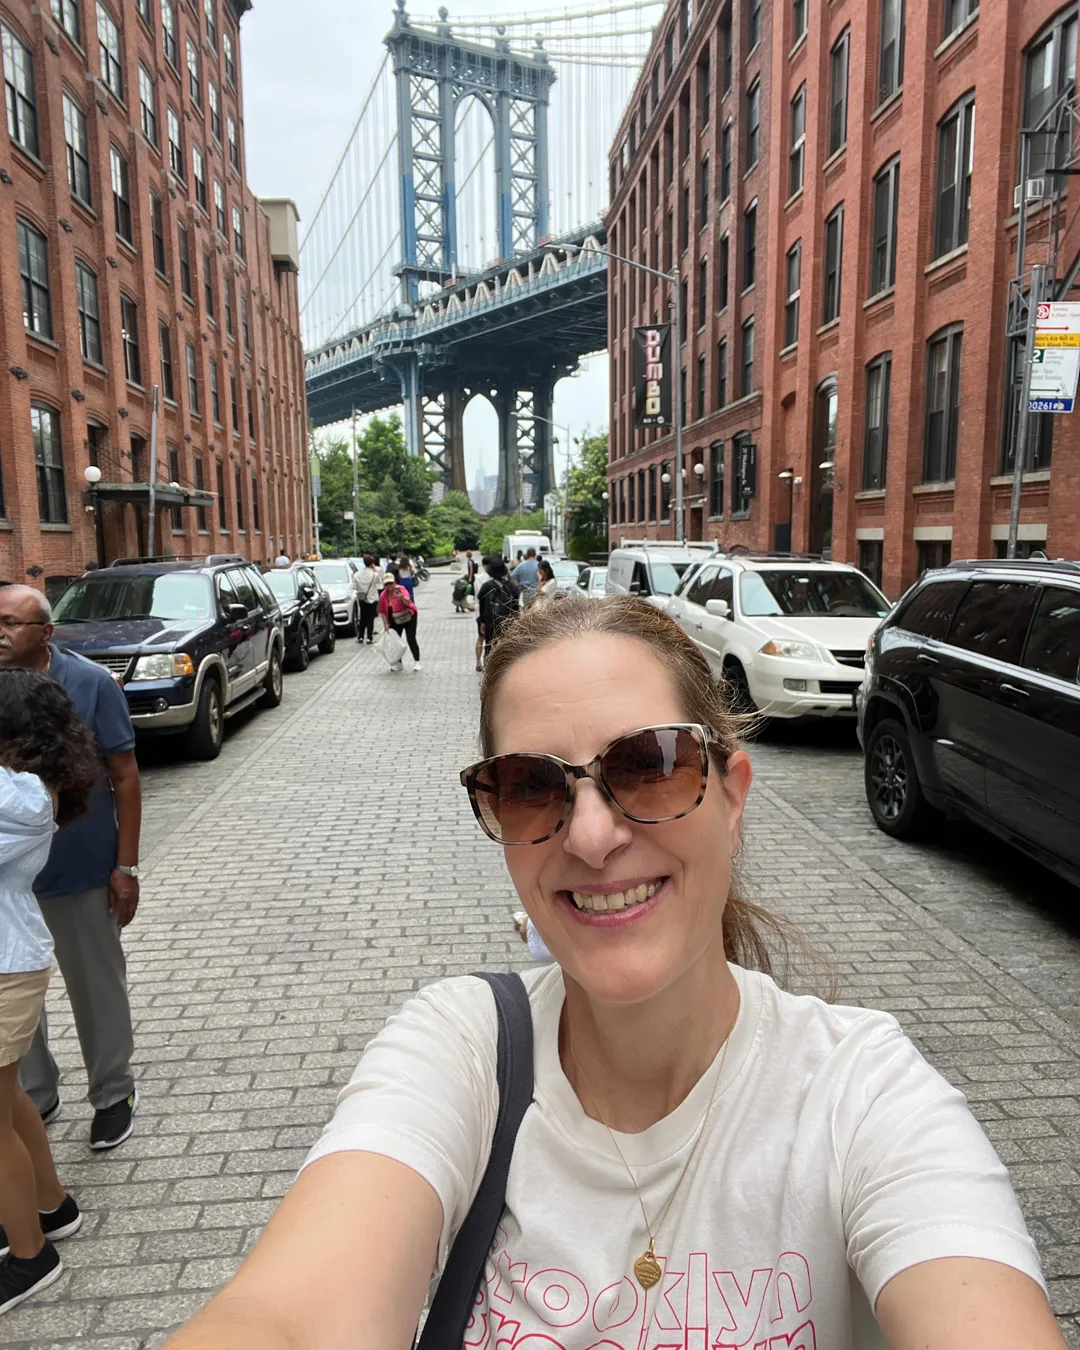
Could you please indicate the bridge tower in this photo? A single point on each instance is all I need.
(435, 71)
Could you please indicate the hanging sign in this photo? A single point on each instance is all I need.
(652, 376)
(1055, 365)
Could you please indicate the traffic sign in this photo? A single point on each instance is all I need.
(1055, 364)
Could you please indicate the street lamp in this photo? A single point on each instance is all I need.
(674, 280)
(92, 477)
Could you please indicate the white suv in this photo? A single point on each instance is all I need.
(789, 634)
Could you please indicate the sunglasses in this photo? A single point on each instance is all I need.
(652, 775)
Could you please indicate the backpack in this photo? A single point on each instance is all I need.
(503, 606)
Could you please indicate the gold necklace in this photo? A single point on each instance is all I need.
(647, 1268)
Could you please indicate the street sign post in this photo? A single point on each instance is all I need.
(1055, 362)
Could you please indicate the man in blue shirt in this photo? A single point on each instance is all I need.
(89, 888)
(525, 574)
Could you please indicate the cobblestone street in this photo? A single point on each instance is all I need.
(282, 921)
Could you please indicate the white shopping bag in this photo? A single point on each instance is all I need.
(392, 646)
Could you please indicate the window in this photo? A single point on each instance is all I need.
(721, 373)
(753, 123)
(157, 232)
(234, 144)
(750, 245)
(891, 48)
(1053, 645)
(238, 484)
(19, 91)
(165, 343)
(176, 144)
(250, 414)
(208, 283)
(986, 616)
(791, 305)
(222, 506)
(884, 228)
(172, 460)
(215, 109)
(725, 52)
(956, 146)
(215, 393)
(230, 58)
(746, 387)
(701, 386)
(34, 269)
(838, 92)
(129, 332)
(234, 403)
(121, 194)
(148, 105)
(725, 265)
(219, 206)
(201, 521)
(931, 554)
(669, 52)
(871, 557)
(184, 254)
(192, 379)
(194, 83)
(703, 292)
(834, 263)
(957, 13)
(86, 295)
(256, 522)
(703, 82)
(797, 153)
(49, 463)
(716, 479)
(876, 435)
(245, 324)
(652, 493)
(78, 150)
(725, 161)
(753, 25)
(743, 473)
(1050, 70)
(798, 20)
(930, 610)
(198, 172)
(227, 294)
(142, 8)
(112, 70)
(703, 195)
(168, 32)
(684, 221)
(66, 14)
(211, 23)
(942, 405)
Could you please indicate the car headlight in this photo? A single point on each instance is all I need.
(794, 651)
(165, 666)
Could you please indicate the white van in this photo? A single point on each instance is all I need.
(649, 570)
(522, 542)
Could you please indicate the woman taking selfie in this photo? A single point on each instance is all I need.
(704, 1160)
(48, 766)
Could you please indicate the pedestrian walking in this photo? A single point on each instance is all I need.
(483, 580)
(499, 604)
(649, 1138)
(89, 889)
(398, 612)
(48, 768)
(368, 583)
(525, 575)
(405, 577)
(282, 559)
(471, 568)
(546, 585)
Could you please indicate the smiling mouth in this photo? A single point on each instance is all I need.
(602, 904)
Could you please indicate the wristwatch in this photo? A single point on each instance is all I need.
(127, 871)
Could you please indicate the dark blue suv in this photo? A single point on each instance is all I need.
(193, 643)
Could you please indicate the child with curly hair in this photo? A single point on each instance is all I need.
(48, 766)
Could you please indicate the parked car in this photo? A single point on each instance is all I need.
(307, 613)
(565, 571)
(971, 705)
(192, 643)
(789, 634)
(592, 582)
(337, 578)
(651, 570)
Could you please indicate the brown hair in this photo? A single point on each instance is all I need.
(753, 937)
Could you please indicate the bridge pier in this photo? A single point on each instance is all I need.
(508, 496)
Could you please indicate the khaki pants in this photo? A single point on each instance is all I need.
(22, 998)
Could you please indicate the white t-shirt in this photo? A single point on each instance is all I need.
(834, 1158)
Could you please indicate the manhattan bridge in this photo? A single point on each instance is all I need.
(457, 251)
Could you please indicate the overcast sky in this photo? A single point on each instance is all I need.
(307, 65)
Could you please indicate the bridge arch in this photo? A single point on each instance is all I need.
(475, 182)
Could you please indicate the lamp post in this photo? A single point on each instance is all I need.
(674, 280)
(92, 477)
(555, 441)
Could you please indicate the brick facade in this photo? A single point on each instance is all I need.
(100, 416)
(809, 401)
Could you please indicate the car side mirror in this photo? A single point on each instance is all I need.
(719, 609)
(236, 611)
(306, 592)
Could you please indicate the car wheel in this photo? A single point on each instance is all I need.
(350, 628)
(893, 791)
(329, 642)
(274, 685)
(303, 650)
(740, 700)
(204, 737)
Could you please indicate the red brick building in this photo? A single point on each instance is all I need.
(132, 254)
(836, 183)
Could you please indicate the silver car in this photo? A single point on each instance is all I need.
(592, 582)
(337, 577)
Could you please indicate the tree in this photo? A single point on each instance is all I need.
(455, 523)
(496, 527)
(382, 454)
(335, 498)
(586, 509)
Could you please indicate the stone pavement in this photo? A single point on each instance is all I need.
(327, 865)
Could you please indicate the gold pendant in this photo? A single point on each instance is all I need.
(647, 1269)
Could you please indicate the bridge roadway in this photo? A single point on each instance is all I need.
(278, 930)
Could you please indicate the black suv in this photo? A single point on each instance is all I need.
(307, 613)
(192, 642)
(971, 704)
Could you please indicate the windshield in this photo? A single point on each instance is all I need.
(136, 597)
(331, 574)
(283, 584)
(836, 595)
(565, 571)
(665, 576)
(597, 579)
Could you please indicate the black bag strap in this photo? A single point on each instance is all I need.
(455, 1297)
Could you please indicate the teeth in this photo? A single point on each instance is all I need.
(602, 904)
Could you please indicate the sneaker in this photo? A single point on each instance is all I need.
(20, 1279)
(114, 1124)
(397, 669)
(56, 1223)
(51, 1112)
(417, 668)
(479, 668)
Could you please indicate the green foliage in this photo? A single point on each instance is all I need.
(588, 510)
(382, 455)
(496, 527)
(455, 523)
